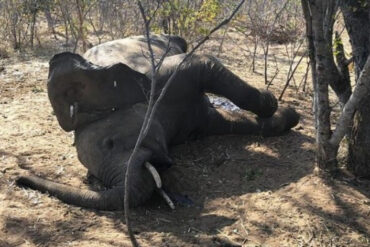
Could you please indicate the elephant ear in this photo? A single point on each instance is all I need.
(81, 92)
(69, 61)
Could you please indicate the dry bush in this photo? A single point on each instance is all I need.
(278, 21)
(81, 22)
(3, 53)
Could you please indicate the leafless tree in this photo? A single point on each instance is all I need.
(15, 22)
(266, 22)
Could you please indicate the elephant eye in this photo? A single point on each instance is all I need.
(74, 92)
(71, 93)
(109, 143)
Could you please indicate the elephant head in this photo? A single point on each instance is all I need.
(104, 148)
(141, 187)
(81, 92)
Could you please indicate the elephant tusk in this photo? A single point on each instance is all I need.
(158, 182)
(167, 199)
(71, 111)
(155, 174)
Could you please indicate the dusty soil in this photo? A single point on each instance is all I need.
(247, 191)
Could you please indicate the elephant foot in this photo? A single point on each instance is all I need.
(283, 120)
(268, 104)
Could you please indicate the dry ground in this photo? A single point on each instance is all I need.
(248, 191)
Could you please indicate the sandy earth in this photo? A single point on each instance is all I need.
(247, 191)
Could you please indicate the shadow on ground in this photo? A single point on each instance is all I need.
(210, 172)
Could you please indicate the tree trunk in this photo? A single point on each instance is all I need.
(325, 155)
(81, 30)
(357, 20)
(359, 151)
(50, 21)
(33, 25)
(341, 85)
(319, 41)
(337, 82)
(13, 27)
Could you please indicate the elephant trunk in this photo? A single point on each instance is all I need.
(111, 199)
(142, 186)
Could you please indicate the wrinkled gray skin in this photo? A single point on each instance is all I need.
(108, 89)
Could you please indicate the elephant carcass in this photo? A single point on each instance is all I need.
(103, 97)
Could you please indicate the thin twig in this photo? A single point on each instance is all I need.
(291, 76)
(159, 64)
(222, 41)
(266, 48)
(141, 136)
(291, 56)
(152, 106)
(304, 78)
(276, 73)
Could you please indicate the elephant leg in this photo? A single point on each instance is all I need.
(225, 122)
(202, 73)
(219, 80)
(207, 74)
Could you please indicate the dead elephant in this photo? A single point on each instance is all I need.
(102, 96)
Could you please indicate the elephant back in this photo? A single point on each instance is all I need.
(133, 51)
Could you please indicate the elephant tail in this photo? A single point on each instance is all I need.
(111, 199)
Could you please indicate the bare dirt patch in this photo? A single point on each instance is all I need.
(247, 191)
